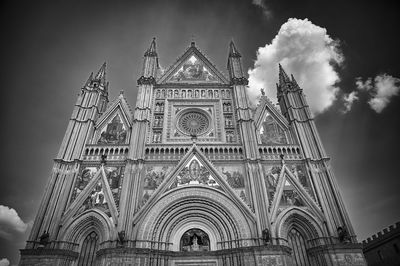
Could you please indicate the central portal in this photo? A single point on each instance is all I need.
(195, 240)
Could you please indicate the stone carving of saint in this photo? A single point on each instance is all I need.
(183, 94)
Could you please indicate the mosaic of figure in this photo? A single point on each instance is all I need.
(82, 180)
(114, 133)
(290, 197)
(154, 177)
(193, 69)
(271, 175)
(97, 200)
(234, 178)
(115, 176)
(271, 133)
(195, 240)
(299, 171)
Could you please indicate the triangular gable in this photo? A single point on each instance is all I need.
(301, 196)
(267, 107)
(207, 175)
(99, 178)
(272, 128)
(193, 67)
(119, 110)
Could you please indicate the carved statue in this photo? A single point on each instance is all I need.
(44, 238)
(343, 235)
(262, 92)
(265, 236)
(121, 237)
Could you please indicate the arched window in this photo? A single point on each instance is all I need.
(195, 240)
(90, 245)
(298, 245)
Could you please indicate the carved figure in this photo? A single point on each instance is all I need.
(343, 235)
(44, 239)
(121, 237)
(266, 236)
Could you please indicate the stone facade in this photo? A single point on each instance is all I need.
(383, 248)
(191, 176)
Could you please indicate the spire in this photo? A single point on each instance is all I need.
(101, 75)
(233, 52)
(89, 80)
(152, 49)
(294, 82)
(283, 77)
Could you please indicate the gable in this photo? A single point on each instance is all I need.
(290, 190)
(194, 169)
(193, 68)
(272, 128)
(113, 127)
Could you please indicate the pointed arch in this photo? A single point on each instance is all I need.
(299, 218)
(76, 229)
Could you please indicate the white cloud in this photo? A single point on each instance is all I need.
(306, 51)
(349, 99)
(381, 90)
(261, 3)
(4, 262)
(10, 222)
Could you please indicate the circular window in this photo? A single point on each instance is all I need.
(193, 122)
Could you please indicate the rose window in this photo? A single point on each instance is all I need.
(193, 123)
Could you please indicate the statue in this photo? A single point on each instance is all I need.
(44, 239)
(121, 237)
(343, 235)
(262, 92)
(265, 236)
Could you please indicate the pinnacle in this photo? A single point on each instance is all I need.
(152, 49)
(283, 77)
(233, 51)
(101, 75)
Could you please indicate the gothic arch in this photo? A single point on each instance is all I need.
(78, 228)
(299, 218)
(200, 207)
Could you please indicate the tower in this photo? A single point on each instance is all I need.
(191, 176)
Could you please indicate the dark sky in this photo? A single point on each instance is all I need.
(48, 50)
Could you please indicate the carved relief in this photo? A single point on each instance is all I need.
(195, 173)
(195, 240)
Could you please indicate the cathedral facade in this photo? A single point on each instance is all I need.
(192, 175)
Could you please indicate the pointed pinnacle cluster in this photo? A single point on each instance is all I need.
(233, 51)
(152, 49)
(285, 82)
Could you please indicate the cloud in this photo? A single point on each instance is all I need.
(381, 89)
(10, 222)
(349, 99)
(4, 262)
(307, 51)
(261, 4)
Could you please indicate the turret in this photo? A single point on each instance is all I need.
(150, 63)
(235, 65)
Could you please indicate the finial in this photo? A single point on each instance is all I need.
(192, 42)
(233, 51)
(101, 74)
(283, 77)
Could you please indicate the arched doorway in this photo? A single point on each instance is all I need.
(194, 240)
(87, 255)
(297, 242)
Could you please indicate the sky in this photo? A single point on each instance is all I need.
(344, 54)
